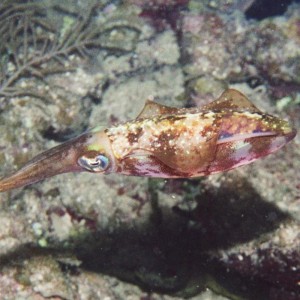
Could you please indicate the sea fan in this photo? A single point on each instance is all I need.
(37, 40)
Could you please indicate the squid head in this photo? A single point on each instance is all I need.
(88, 152)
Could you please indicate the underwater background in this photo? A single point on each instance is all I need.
(67, 66)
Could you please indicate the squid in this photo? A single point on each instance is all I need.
(166, 142)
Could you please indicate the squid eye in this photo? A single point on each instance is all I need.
(96, 164)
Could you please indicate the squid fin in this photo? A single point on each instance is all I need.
(152, 109)
(231, 100)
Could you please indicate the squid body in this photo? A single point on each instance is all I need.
(166, 142)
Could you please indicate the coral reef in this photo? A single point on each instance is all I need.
(38, 39)
(229, 236)
(233, 48)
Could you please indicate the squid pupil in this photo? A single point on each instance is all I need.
(95, 164)
(101, 161)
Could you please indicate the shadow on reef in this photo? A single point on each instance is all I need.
(173, 251)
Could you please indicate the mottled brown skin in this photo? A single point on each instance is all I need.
(170, 140)
(167, 142)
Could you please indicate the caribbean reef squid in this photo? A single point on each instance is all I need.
(166, 142)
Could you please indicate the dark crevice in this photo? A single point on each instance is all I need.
(261, 9)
